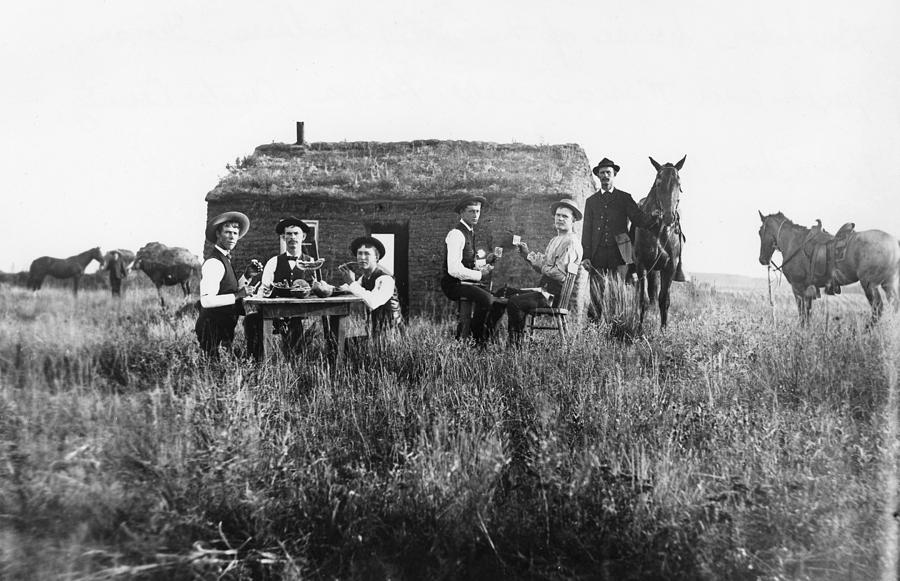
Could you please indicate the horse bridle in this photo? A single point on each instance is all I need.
(776, 247)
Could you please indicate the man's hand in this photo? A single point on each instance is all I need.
(486, 270)
(242, 292)
(255, 267)
(347, 274)
(586, 264)
(523, 248)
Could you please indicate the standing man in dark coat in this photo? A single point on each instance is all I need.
(607, 246)
(462, 279)
(116, 267)
(221, 291)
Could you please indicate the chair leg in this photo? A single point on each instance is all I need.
(562, 325)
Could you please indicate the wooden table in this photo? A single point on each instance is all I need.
(334, 310)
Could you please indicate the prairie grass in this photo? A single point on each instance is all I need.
(725, 447)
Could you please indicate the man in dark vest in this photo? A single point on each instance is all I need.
(462, 278)
(221, 291)
(283, 269)
(376, 285)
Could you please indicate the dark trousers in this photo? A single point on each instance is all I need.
(214, 329)
(116, 285)
(599, 278)
(291, 331)
(487, 310)
(518, 307)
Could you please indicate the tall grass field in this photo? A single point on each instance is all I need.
(731, 445)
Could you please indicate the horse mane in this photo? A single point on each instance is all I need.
(790, 223)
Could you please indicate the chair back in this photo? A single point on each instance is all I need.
(562, 301)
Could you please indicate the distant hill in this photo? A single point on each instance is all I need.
(739, 282)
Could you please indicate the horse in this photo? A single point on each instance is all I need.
(872, 257)
(167, 266)
(657, 252)
(72, 267)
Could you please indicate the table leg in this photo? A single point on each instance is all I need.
(335, 327)
(266, 336)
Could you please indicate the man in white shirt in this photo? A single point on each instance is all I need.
(284, 269)
(376, 286)
(462, 278)
(221, 291)
(553, 264)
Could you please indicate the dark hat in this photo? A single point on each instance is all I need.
(461, 205)
(568, 203)
(606, 162)
(240, 218)
(292, 221)
(367, 241)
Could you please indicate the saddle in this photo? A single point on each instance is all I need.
(826, 253)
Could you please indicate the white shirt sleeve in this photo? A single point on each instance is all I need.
(382, 293)
(455, 242)
(211, 274)
(268, 275)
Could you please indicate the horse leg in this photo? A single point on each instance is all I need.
(874, 297)
(75, 286)
(652, 286)
(162, 301)
(642, 294)
(664, 287)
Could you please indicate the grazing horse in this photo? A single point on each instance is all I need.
(657, 252)
(72, 267)
(872, 257)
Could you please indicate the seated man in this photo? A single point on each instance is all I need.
(563, 250)
(283, 269)
(461, 277)
(376, 286)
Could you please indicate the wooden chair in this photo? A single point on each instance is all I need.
(559, 313)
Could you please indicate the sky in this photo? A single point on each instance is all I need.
(118, 117)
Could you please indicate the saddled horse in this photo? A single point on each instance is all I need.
(871, 257)
(72, 267)
(657, 252)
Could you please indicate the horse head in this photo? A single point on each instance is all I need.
(96, 254)
(768, 237)
(666, 191)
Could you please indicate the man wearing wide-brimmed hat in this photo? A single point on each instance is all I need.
(282, 269)
(221, 291)
(376, 285)
(563, 252)
(462, 278)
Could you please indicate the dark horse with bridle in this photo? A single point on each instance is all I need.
(72, 267)
(871, 257)
(657, 252)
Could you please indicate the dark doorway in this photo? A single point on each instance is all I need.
(395, 237)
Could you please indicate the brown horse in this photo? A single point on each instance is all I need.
(872, 257)
(657, 252)
(72, 267)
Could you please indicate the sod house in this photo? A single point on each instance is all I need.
(404, 194)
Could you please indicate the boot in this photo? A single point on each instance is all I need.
(679, 274)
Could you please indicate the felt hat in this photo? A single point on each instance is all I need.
(239, 217)
(606, 162)
(367, 241)
(461, 205)
(568, 203)
(292, 221)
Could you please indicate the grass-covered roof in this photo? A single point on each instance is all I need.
(428, 169)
